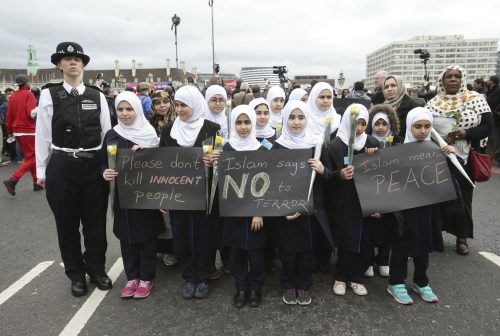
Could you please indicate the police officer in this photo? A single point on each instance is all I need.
(71, 123)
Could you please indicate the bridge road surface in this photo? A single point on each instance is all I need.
(35, 296)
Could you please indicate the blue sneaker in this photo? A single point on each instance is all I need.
(400, 294)
(201, 290)
(188, 290)
(426, 293)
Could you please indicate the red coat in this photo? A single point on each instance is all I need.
(19, 108)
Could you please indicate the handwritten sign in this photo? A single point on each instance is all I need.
(402, 177)
(167, 178)
(341, 104)
(264, 183)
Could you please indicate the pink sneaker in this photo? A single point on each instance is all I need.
(143, 290)
(130, 288)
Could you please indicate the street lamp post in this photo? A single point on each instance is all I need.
(175, 22)
(211, 4)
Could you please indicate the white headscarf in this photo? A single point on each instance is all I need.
(376, 117)
(416, 114)
(219, 118)
(262, 131)
(317, 120)
(186, 132)
(275, 92)
(140, 132)
(237, 142)
(292, 140)
(297, 94)
(345, 127)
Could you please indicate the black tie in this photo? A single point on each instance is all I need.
(74, 92)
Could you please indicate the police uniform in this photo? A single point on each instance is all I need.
(71, 124)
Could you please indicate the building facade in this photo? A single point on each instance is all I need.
(477, 56)
(258, 75)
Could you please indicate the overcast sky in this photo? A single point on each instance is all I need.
(310, 37)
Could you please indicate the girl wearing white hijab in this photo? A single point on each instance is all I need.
(263, 129)
(243, 139)
(245, 237)
(195, 236)
(321, 107)
(216, 97)
(136, 229)
(383, 123)
(191, 110)
(377, 228)
(345, 211)
(300, 236)
(421, 234)
(276, 99)
(298, 94)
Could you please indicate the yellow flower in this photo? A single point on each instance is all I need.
(207, 149)
(328, 121)
(390, 138)
(353, 109)
(218, 140)
(112, 150)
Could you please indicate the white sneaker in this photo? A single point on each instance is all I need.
(369, 272)
(358, 289)
(383, 271)
(339, 287)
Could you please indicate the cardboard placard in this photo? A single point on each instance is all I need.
(341, 104)
(264, 183)
(170, 178)
(402, 177)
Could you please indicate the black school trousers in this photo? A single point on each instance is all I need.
(139, 260)
(248, 268)
(399, 269)
(296, 270)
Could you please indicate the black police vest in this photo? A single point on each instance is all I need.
(76, 120)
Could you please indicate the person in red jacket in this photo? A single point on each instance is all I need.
(20, 124)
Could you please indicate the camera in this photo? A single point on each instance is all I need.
(424, 56)
(280, 70)
(104, 84)
(424, 53)
(216, 68)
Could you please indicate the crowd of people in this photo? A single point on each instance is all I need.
(75, 125)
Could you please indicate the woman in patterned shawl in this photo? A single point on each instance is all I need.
(462, 118)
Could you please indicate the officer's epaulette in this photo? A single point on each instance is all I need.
(51, 85)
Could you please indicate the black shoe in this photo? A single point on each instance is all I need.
(37, 187)
(78, 288)
(101, 280)
(10, 184)
(240, 299)
(255, 299)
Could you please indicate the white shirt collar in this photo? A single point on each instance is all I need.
(80, 87)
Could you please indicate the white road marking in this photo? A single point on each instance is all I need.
(24, 280)
(88, 308)
(491, 257)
